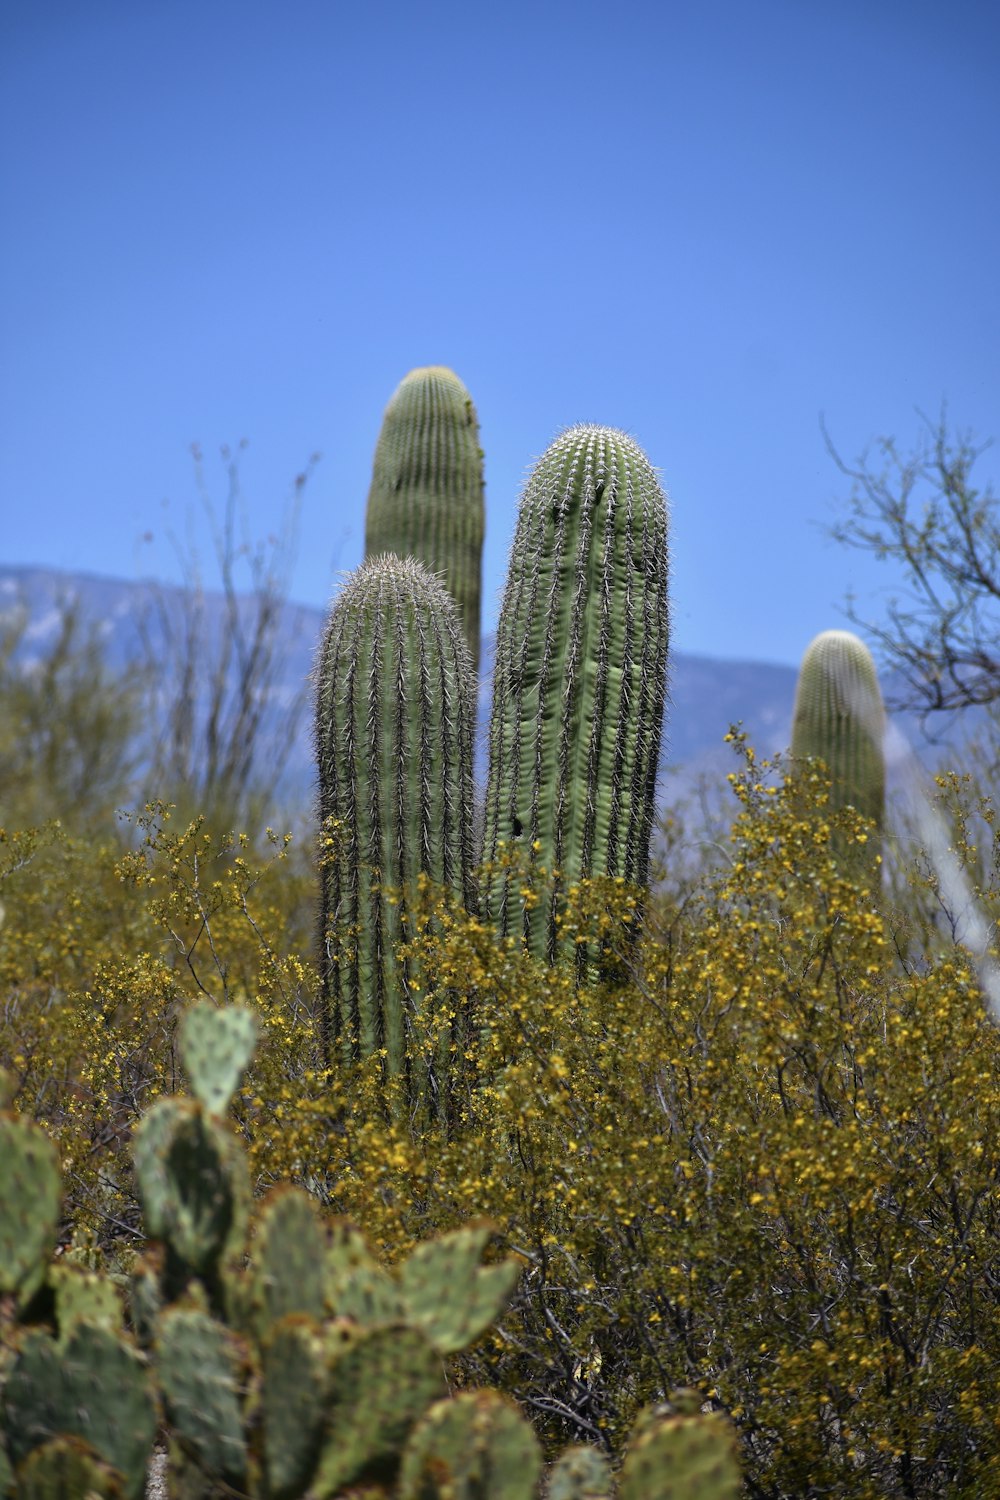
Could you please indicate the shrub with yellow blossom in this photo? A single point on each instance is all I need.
(755, 1156)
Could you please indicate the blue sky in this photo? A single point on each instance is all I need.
(706, 223)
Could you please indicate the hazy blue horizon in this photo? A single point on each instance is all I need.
(706, 225)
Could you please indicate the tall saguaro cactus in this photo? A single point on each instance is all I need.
(426, 496)
(580, 677)
(395, 713)
(839, 718)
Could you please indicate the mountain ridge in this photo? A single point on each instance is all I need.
(706, 695)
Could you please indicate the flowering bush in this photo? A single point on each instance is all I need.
(754, 1155)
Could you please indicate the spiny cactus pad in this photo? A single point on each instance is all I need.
(448, 1294)
(293, 1403)
(84, 1297)
(426, 496)
(288, 1258)
(579, 683)
(356, 1285)
(382, 1382)
(30, 1194)
(216, 1047)
(681, 1458)
(193, 1182)
(475, 1444)
(94, 1388)
(66, 1469)
(198, 1362)
(580, 1473)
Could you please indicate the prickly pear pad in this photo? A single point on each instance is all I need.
(63, 1470)
(287, 1257)
(682, 1458)
(580, 1473)
(379, 1386)
(356, 1285)
(474, 1444)
(95, 1388)
(30, 1194)
(216, 1047)
(193, 1182)
(293, 1403)
(448, 1294)
(198, 1364)
(84, 1297)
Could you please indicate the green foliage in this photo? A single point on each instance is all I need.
(69, 724)
(579, 680)
(395, 711)
(426, 496)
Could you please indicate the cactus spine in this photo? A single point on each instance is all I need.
(426, 496)
(839, 719)
(580, 677)
(395, 711)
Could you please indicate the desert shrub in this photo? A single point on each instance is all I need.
(755, 1156)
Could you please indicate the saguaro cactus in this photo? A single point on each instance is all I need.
(426, 496)
(395, 712)
(839, 719)
(580, 677)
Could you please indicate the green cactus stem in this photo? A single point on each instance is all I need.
(839, 719)
(579, 683)
(395, 713)
(426, 496)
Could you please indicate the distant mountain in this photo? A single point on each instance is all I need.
(706, 695)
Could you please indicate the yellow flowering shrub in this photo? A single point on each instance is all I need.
(755, 1154)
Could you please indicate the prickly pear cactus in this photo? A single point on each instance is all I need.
(426, 496)
(217, 1044)
(193, 1183)
(839, 719)
(449, 1294)
(395, 713)
(294, 1399)
(66, 1469)
(94, 1388)
(580, 1473)
(676, 1457)
(288, 1254)
(472, 1445)
(579, 682)
(380, 1385)
(30, 1193)
(198, 1364)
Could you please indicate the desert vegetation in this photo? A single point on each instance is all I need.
(356, 1165)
